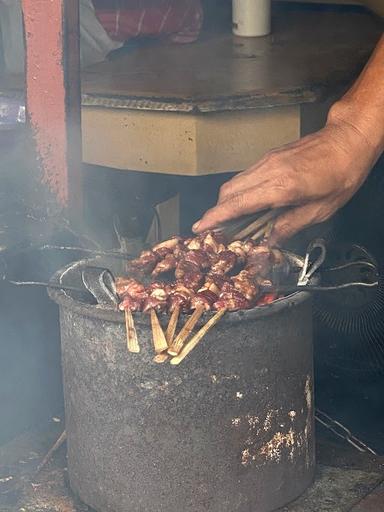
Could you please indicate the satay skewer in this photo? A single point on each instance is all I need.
(258, 225)
(171, 329)
(269, 229)
(186, 330)
(259, 234)
(132, 341)
(159, 341)
(197, 338)
(161, 358)
(264, 232)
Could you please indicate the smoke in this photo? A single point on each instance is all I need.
(30, 374)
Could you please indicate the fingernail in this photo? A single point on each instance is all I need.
(196, 225)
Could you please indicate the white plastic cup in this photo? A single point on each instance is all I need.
(251, 18)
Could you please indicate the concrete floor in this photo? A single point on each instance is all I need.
(346, 479)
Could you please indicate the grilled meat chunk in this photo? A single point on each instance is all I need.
(259, 261)
(186, 267)
(232, 300)
(193, 244)
(180, 296)
(204, 299)
(192, 280)
(166, 247)
(130, 303)
(246, 285)
(238, 248)
(157, 297)
(212, 242)
(130, 286)
(225, 262)
(198, 257)
(168, 263)
(145, 263)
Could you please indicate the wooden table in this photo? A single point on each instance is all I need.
(219, 104)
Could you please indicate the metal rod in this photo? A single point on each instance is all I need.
(56, 286)
(96, 252)
(310, 288)
(362, 263)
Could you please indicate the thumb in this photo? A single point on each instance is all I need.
(294, 221)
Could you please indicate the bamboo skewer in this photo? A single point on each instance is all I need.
(62, 438)
(161, 358)
(159, 341)
(269, 228)
(132, 341)
(259, 234)
(257, 225)
(264, 232)
(186, 330)
(197, 338)
(171, 329)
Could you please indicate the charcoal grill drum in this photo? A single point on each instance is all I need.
(229, 430)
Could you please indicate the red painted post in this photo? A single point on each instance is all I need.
(53, 95)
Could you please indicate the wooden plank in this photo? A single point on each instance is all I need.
(185, 144)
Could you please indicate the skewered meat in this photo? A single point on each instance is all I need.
(244, 284)
(157, 297)
(198, 257)
(215, 282)
(170, 261)
(186, 267)
(202, 250)
(192, 280)
(193, 244)
(232, 300)
(165, 265)
(204, 299)
(218, 279)
(225, 262)
(212, 243)
(167, 246)
(131, 303)
(238, 248)
(180, 296)
(248, 245)
(129, 286)
(145, 263)
(132, 293)
(259, 260)
(201, 267)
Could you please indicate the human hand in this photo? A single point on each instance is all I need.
(315, 176)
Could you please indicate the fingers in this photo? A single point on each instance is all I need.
(251, 177)
(297, 219)
(249, 201)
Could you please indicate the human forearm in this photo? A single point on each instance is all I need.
(362, 106)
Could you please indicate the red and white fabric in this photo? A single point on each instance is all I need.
(125, 19)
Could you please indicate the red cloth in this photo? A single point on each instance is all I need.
(124, 19)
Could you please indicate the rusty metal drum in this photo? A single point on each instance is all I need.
(231, 429)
